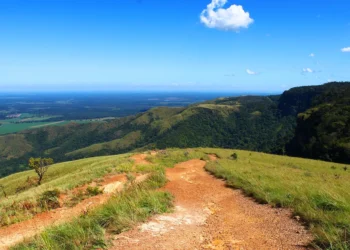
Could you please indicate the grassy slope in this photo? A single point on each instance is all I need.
(317, 191)
(64, 176)
(120, 213)
(13, 146)
(122, 143)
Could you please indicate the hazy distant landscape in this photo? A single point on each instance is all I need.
(310, 121)
(25, 111)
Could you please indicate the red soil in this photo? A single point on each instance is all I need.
(208, 215)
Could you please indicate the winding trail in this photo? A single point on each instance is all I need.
(208, 215)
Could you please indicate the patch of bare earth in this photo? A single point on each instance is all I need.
(21, 231)
(208, 215)
(140, 159)
(212, 157)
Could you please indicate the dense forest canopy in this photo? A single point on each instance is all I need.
(311, 121)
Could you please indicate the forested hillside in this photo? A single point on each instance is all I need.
(323, 130)
(305, 121)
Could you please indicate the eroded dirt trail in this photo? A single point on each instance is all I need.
(21, 231)
(208, 215)
(140, 159)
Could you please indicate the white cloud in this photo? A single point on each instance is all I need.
(312, 55)
(232, 18)
(250, 72)
(307, 70)
(345, 49)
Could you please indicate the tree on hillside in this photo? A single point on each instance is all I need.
(40, 166)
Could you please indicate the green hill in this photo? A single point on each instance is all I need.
(323, 130)
(306, 121)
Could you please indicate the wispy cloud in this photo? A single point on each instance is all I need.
(251, 72)
(312, 55)
(232, 18)
(345, 49)
(307, 70)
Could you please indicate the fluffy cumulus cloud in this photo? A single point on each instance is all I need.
(345, 49)
(251, 72)
(231, 18)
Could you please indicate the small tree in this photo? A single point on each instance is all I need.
(40, 166)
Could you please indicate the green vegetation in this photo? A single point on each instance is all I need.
(23, 193)
(8, 128)
(317, 191)
(49, 199)
(40, 166)
(119, 214)
(311, 122)
(76, 197)
(125, 142)
(323, 131)
(25, 121)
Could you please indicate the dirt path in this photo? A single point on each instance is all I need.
(140, 159)
(208, 215)
(17, 233)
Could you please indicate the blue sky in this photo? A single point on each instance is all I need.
(215, 45)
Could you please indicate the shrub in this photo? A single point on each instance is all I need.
(234, 156)
(49, 199)
(186, 153)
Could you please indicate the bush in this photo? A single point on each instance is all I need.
(49, 199)
(234, 156)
